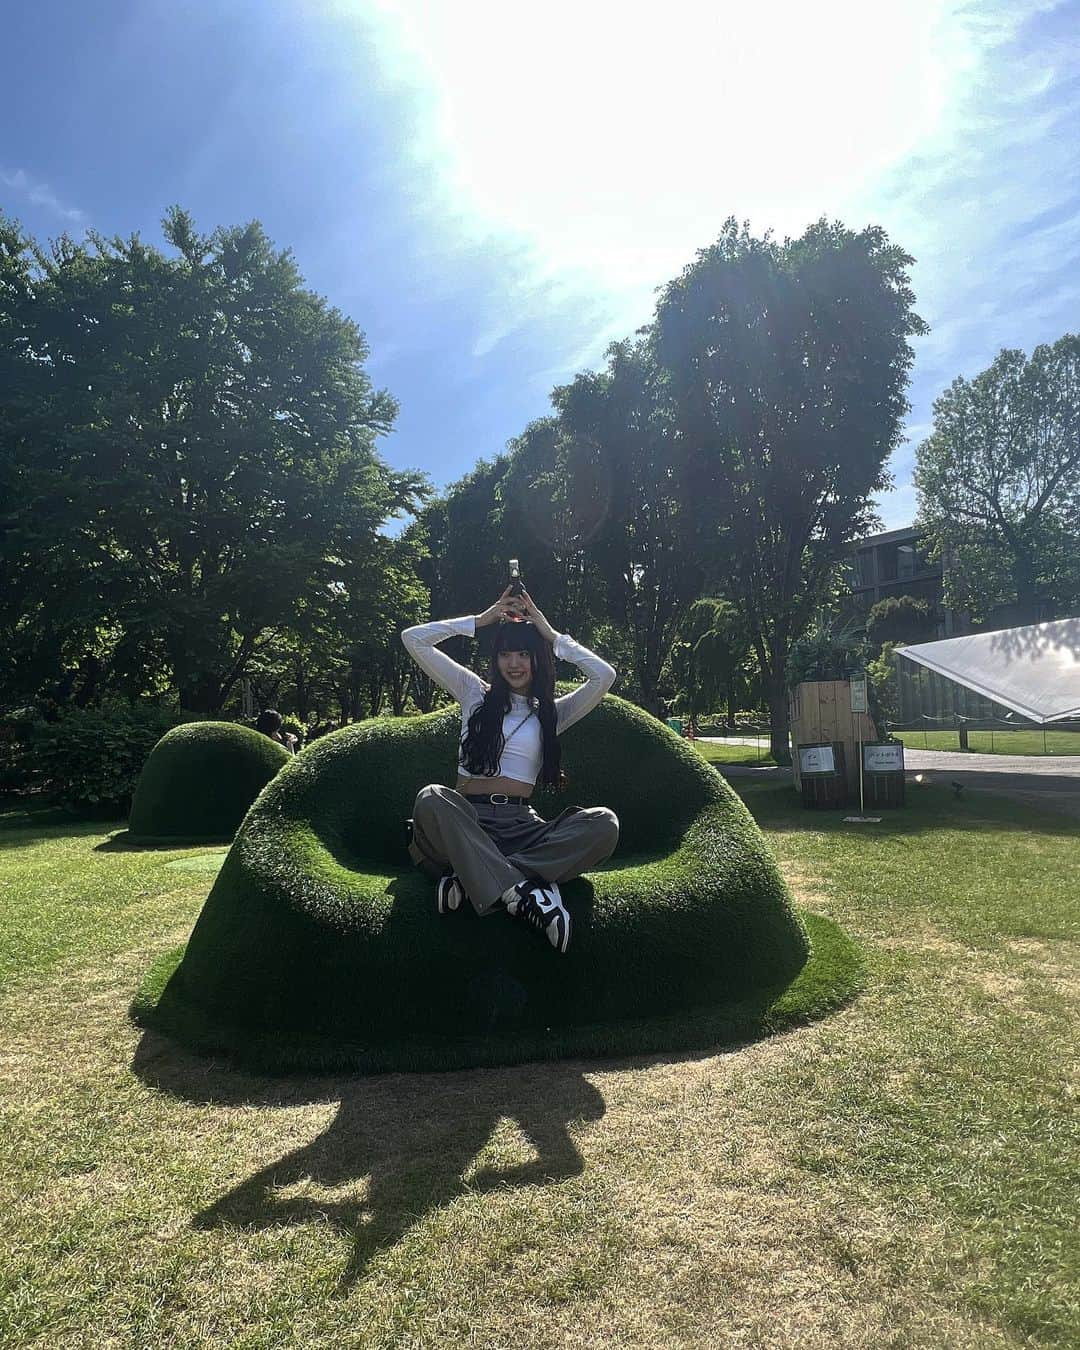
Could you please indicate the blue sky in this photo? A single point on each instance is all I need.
(494, 192)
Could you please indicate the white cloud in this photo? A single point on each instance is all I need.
(601, 145)
(40, 194)
(595, 147)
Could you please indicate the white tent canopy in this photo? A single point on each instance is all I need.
(1035, 671)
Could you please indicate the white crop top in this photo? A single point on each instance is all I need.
(522, 756)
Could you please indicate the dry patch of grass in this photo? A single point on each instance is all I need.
(650, 1203)
(894, 1177)
(804, 886)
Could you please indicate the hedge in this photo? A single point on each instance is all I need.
(200, 780)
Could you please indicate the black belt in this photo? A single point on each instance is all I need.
(495, 799)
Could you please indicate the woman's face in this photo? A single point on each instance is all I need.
(516, 669)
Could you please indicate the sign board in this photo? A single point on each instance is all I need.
(883, 758)
(858, 695)
(816, 759)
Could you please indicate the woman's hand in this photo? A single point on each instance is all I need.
(527, 609)
(503, 608)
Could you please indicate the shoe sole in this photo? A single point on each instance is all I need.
(443, 892)
(558, 931)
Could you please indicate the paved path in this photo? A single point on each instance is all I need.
(949, 761)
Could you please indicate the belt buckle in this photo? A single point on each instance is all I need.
(500, 799)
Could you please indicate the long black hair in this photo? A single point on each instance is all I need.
(482, 744)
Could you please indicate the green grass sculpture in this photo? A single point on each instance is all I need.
(199, 781)
(319, 945)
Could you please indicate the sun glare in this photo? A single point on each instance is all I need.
(617, 139)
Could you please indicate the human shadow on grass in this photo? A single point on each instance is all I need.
(412, 1136)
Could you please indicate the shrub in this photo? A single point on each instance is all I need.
(899, 619)
(16, 733)
(885, 695)
(90, 759)
(200, 779)
(827, 651)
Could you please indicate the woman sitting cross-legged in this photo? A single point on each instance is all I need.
(484, 841)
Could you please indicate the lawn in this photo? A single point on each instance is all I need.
(902, 1174)
(997, 742)
(735, 753)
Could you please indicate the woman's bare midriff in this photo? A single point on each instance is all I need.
(510, 786)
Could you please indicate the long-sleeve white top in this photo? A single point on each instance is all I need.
(522, 756)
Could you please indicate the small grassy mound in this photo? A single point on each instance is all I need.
(319, 945)
(200, 780)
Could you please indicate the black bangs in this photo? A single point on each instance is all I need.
(517, 635)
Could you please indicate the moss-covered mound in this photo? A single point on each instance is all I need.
(319, 944)
(200, 780)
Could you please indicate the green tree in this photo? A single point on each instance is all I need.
(552, 503)
(464, 551)
(50, 641)
(191, 448)
(883, 686)
(710, 656)
(788, 365)
(619, 481)
(999, 484)
(899, 618)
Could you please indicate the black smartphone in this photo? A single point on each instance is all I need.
(516, 583)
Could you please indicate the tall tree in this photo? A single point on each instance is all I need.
(710, 655)
(553, 502)
(466, 551)
(193, 446)
(999, 484)
(619, 487)
(788, 364)
(47, 637)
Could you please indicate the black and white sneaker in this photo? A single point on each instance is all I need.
(539, 904)
(449, 893)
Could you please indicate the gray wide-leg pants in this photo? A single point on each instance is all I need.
(492, 848)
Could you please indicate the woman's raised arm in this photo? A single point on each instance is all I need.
(421, 642)
(600, 676)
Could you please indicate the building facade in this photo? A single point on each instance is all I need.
(895, 564)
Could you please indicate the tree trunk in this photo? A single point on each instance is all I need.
(648, 677)
(423, 691)
(200, 694)
(90, 671)
(1027, 589)
(779, 727)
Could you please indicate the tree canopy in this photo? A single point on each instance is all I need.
(787, 364)
(999, 485)
(192, 494)
(191, 453)
(899, 618)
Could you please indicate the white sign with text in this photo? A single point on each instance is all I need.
(816, 759)
(883, 758)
